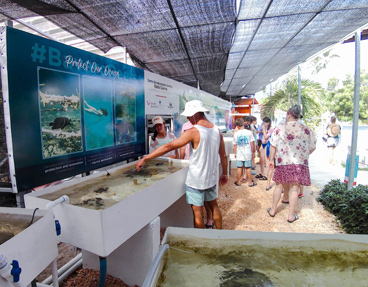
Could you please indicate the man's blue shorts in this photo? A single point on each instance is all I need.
(242, 163)
(197, 197)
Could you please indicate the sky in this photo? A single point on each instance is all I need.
(345, 63)
(339, 67)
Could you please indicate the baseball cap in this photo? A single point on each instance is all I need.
(157, 120)
(193, 107)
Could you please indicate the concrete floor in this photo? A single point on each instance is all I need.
(322, 171)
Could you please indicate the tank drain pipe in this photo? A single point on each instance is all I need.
(103, 271)
(50, 206)
(60, 200)
(10, 273)
(65, 270)
(151, 272)
(70, 270)
(55, 279)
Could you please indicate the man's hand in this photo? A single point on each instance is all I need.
(139, 164)
(223, 179)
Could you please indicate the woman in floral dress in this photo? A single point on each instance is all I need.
(291, 144)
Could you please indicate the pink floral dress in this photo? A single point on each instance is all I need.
(294, 141)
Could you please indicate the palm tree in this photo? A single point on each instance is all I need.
(287, 95)
(320, 62)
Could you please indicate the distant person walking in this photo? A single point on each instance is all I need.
(253, 128)
(244, 151)
(267, 130)
(333, 131)
(291, 144)
(184, 151)
(207, 147)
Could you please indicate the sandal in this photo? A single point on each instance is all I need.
(259, 176)
(209, 226)
(236, 183)
(296, 217)
(263, 178)
(253, 184)
(269, 213)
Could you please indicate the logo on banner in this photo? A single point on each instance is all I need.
(152, 104)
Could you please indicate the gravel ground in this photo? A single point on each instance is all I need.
(243, 208)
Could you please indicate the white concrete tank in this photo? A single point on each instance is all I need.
(33, 246)
(107, 208)
(195, 257)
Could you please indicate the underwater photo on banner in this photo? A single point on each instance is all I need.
(98, 116)
(60, 112)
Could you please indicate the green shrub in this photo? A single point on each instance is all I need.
(349, 206)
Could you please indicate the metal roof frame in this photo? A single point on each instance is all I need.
(228, 52)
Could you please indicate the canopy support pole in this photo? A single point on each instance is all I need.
(354, 138)
(299, 87)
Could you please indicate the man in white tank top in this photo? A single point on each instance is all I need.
(206, 148)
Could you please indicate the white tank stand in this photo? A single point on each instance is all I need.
(131, 261)
(179, 214)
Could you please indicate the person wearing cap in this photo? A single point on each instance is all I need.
(332, 131)
(207, 148)
(161, 137)
(291, 144)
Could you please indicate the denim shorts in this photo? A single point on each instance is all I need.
(197, 197)
(242, 163)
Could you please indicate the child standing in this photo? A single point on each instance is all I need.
(244, 149)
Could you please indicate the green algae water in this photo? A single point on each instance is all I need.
(107, 190)
(12, 224)
(257, 264)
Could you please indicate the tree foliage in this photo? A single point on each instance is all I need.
(320, 62)
(340, 99)
(287, 95)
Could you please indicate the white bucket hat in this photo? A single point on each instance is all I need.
(193, 107)
(157, 120)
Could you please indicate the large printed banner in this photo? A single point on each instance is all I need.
(162, 94)
(67, 111)
(165, 96)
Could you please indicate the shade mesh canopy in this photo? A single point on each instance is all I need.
(209, 43)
